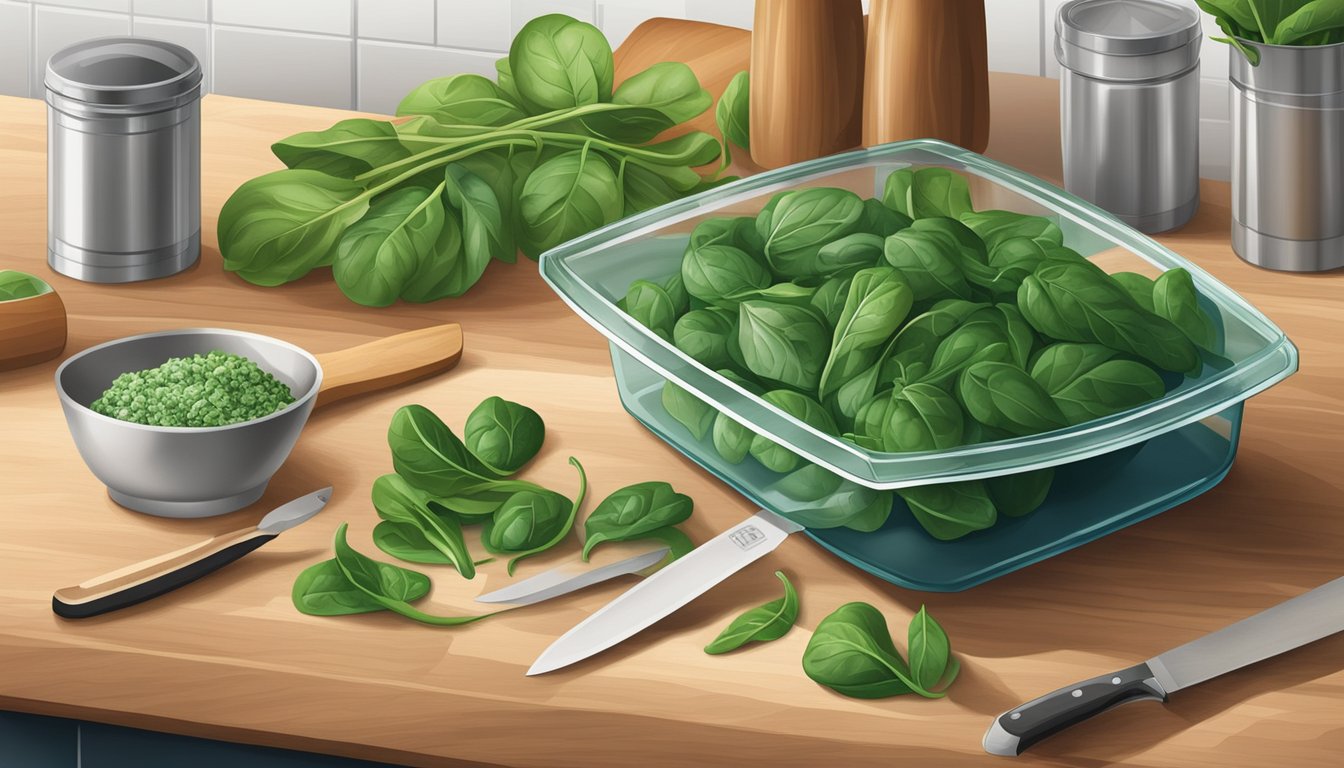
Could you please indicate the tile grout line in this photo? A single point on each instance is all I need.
(354, 54)
(32, 51)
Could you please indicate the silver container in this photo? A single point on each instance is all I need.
(1130, 108)
(123, 160)
(1288, 157)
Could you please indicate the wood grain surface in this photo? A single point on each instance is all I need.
(229, 657)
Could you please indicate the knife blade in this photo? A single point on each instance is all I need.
(667, 590)
(568, 578)
(1293, 623)
(147, 579)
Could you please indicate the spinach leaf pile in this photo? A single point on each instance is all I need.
(852, 653)
(417, 210)
(1277, 22)
(912, 323)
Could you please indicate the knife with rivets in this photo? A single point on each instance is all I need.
(1288, 625)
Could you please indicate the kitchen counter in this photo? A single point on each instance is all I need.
(229, 657)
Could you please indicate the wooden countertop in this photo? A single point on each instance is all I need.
(229, 657)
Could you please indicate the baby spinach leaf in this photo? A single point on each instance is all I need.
(717, 270)
(830, 298)
(917, 341)
(346, 149)
(483, 236)
(967, 243)
(949, 511)
(922, 417)
(761, 624)
(557, 62)
(929, 262)
(784, 343)
(567, 196)
(445, 270)
(15, 285)
(968, 344)
(918, 193)
(461, 100)
(634, 512)
(792, 294)
(430, 457)
(1308, 19)
(323, 590)
(503, 435)
(733, 114)
(802, 222)
(739, 232)
(775, 456)
(878, 301)
(379, 254)
(1175, 298)
(731, 439)
(703, 334)
(648, 303)
(997, 227)
(276, 228)
(531, 522)
(1004, 396)
(1061, 364)
(851, 652)
(815, 497)
(656, 99)
(1070, 302)
(1020, 493)
(1110, 387)
(1139, 287)
(929, 650)
(413, 530)
(387, 585)
(853, 251)
(880, 220)
(690, 411)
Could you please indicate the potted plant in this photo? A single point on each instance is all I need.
(1287, 73)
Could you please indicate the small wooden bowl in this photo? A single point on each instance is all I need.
(32, 330)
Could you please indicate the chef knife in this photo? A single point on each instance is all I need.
(1296, 622)
(151, 578)
(570, 577)
(667, 590)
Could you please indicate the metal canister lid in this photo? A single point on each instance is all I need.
(1127, 39)
(124, 71)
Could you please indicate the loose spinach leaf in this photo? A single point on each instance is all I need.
(566, 196)
(1110, 387)
(851, 252)
(1059, 365)
(830, 298)
(654, 100)
(634, 512)
(784, 343)
(1004, 396)
(651, 305)
(815, 497)
(761, 624)
(1175, 298)
(430, 457)
(533, 521)
(1020, 493)
(922, 417)
(557, 62)
(714, 271)
(690, 411)
(461, 100)
(412, 526)
(733, 114)
(929, 650)
(379, 254)
(929, 262)
(16, 285)
(775, 456)
(703, 334)
(880, 220)
(997, 227)
(323, 590)
(927, 192)
(949, 511)
(346, 149)
(802, 222)
(503, 435)
(851, 652)
(878, 301)
(1139, 287)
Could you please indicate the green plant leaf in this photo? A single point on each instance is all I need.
(1175, 298)
(761, 624)
(880, 220)
(949, 511)
(830, 298)
(444, 271)
(651, 305)
(775, 456)
(531, 522)
(733, 114)
(634, 512)
(929, 650)
(557, 62)
(276, 228)
(784, 343)
(1003, 396)
(346, 149)
(1311, 18)
(929, 262)
(815, 497)
(656, 99)
(1059, 365)
(690, 411)
(802, 222)
(323, 590)
(379, 254)
(567, 196)
(851, 652)
(918, 193)
(483, 236)
(853, 251)
(503, 435)
(703, 334)
(430, 457)
(1020, 493)
(715, 271)
(1139, 287)
(1108, 388)
(922, 417)
(997, 227)
(878, 302)
(462, 100)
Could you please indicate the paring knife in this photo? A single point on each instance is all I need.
(569, 577)
(667, 590)
(151, 578)
(1288, 625)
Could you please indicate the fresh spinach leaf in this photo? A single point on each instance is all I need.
(557, 62)
(703, 334)
(853, 251)
(922, 192)
(461, 100)
(1004, 396)
(323, 590)
(379, 254)
(1175, 298)
(783, 343)
(715, 271)
(949, 511)
(483, 235)
(566, 196)
(635, 512)
(929, 650)
(997, 227)
(851, 652)
(815, 497)
(775, 456)
(830, 298)
(802, 222)
(651, 305)
(430, 457)
(878, 301)
(1020, 493)
(690, 411)
(445, 270)
(503, 435)
(1110, 387)
(656, 99)
(929, 262)
(922, 417)
(733, 114)
(1059, 365)
(531, 522)
(1139, 287)
(880, 220)
(346, 149)
(761, 624)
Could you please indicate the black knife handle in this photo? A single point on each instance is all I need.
(140, 582)
(1017, 729)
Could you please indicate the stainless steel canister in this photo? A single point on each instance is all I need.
(1130, 108)
(1288, 157)
(123, 160)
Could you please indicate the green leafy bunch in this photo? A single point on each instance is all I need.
(1277, 22)
(417, 210)
(909, 323)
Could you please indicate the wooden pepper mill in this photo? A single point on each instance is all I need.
(806, 79)
(927, 73)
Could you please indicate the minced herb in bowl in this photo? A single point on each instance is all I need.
(211, 390)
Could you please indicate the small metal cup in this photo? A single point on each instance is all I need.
(123, 160)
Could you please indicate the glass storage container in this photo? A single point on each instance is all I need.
(1111, 472)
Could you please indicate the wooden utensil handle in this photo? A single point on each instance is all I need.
(388, 362)
(151, 578)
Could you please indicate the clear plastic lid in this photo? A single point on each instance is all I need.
(1128, 27)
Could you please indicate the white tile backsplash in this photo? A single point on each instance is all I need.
(55, 28)
(370, 52)
(284, 66)
(15, 48)
(388, 71)
(332, 17)
(193, 36)
(406, 21)
(475, 25)
(187, 10)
